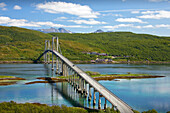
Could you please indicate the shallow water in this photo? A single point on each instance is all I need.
(140, 94)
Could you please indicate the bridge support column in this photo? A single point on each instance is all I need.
(67, 71)
(48, 52)
(52, 54)
(79, 88)
(63, 68)
(90, 95)
(71, 77)
(45, 55)
(94, 98)
(57, 63)
(57, 66)
(99, 102)
(85, 90)
(75, 79)
(82, 86)
(105, 104)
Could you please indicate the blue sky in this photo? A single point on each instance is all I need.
(84, 16)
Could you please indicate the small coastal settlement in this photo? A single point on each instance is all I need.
(104, 57)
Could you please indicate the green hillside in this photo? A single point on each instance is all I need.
(24, 44)
(137, 46)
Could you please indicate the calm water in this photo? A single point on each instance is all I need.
(140, 94)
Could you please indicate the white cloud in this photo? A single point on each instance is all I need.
(4, 20)
(51, 24)
(60, 19)
(111, 14)
(16, 22)
(17, 7)
(2, 6)
(123, 0)
(148, 26)
(129, 20)
(90, 21)
(158, 0)
(122, 10)
(155, 14)
(135, 12)
(163, 26)
(69, 8)
(26, 23)
(137, 27)
(117, 26)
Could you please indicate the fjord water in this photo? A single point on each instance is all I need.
(140, 94)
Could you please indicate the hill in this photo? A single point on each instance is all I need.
(24, 44)
(135, 46)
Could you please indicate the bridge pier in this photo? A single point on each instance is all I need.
(45, 55)
(85, 91)
(52, 68)
(105, 104)
(82, 86)
(90, 95)
(57, 66)
(99, 102)
(79, 85)
(75, 80)
(94, 98)
(61, 67)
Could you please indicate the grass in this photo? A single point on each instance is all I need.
(96, 74)
(13, 107)
(19, 44)
(2, 76)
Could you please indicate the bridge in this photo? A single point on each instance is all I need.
(79, 79)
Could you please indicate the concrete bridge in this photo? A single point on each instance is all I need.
(79, 79)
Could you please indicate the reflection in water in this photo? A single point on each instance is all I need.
(141, 94)
(68, 92)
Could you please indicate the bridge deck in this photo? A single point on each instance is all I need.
(113, 99)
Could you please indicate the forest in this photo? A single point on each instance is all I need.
(26, 45)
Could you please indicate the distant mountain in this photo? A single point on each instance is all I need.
(51, 30)
(99, 31)
(110, 31)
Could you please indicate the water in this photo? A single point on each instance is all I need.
(140, 94)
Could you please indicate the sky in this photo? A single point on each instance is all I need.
(85, 16)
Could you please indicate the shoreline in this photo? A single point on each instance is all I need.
(56, 80)
(10, 81)
(88, 62)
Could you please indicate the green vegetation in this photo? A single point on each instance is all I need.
(2, 76)
(24, 44)
(150, 111)
(137, 46)
(13, 107)
(97, 74)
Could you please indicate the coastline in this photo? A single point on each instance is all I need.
(88, 62)
(10, 81)
(106, 77)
